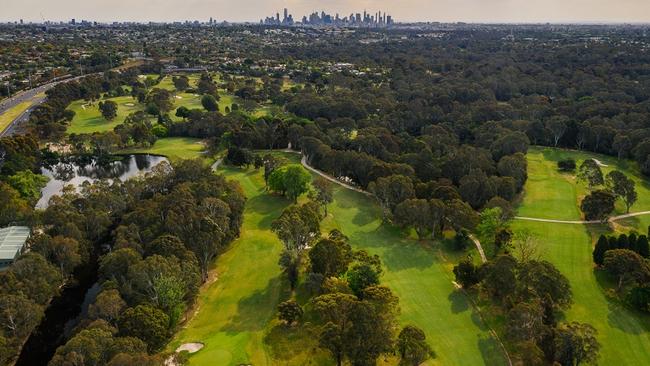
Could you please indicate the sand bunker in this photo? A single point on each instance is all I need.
(190, 347)
(129, 104)
(179, 97)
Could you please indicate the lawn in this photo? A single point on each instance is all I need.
(624, 335)
(173, 148)
(235, 315)
(88, 118)
(11, 114)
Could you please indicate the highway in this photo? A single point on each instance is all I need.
(25, 96)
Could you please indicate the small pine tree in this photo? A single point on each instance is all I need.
(632, 241)
(643, 248)
(623, 242)
(613, 242)
(602, 245)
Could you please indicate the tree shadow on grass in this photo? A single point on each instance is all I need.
(491, 351)
(397, 255)
(459, 302)
(620, 317)
(255, 311)
(267, 205)
(286, 342)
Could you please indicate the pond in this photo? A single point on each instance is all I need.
(79, 170)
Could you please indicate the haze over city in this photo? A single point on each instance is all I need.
(495, 11)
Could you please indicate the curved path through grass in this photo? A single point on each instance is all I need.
(235, 311)
(624, 334)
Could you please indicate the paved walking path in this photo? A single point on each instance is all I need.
(584, 222)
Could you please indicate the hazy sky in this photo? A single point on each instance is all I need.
(402, 10)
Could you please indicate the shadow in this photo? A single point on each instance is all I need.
(491, 351)
(255, 311)
(268, 206)
(364, 217)
(399, 254)
(287, 342)
(459, 302)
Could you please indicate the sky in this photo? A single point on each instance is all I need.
(483, 11)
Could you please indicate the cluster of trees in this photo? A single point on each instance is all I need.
(356, 316)
(532, 295)
(20, 181)
(49, 119)
(604, 190)
(626, 259)
(164, 230)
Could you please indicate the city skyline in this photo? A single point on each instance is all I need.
(479, 11)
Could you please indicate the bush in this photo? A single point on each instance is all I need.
(567, 165)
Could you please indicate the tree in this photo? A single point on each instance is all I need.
(28, 184)
(147, 323)
(590, 172)
(161, 99)
(558, 126)
(622, 187)
(461, 215)
(362, 276)
(330, 257)
(412, 346)
(182, 112)
(107, 306)
(209, 103)
(289, 312)
(324, 192)
(627, 266)
(602, 246)
(598, 205)
(414, 213)
(13, 208)
(525, 246)
(567, 165)
(392, 190)
(296, 181)
(181, 83)
(525, 321)
(491, 223)
(18, 315)
(290, 263)
(108, 109)
(370, 334)
(643, 248)
(240, 157)
(330, 338)
(466, 273)
(576, 343)
(298, 226)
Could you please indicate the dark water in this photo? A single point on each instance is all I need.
(77, 171)
(65, 310)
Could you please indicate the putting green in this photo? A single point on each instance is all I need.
(624, 335)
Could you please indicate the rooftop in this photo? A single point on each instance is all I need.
(12, 240)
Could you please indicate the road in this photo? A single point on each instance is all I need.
(26, 96)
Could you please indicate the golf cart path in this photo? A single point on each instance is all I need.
(584, 222)
(304, 163)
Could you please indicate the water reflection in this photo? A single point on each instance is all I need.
(76, 172)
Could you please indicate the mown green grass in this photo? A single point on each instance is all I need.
(235, 315)
(173, 148)
(88, 118)
(234, 310)
(11, 114)
(420, 274)
(624, 334)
